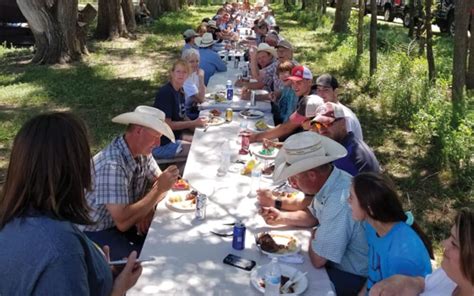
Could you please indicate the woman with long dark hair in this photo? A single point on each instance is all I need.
(42, 252)
(397, 245)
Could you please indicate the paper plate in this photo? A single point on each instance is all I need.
(176, 201)
(257, 275)
(215, 120)
(282, 238)
(251, 114)
(258, 150)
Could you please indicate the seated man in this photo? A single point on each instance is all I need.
(189, 40)
(326, 88)
(330, 121)
(121, 206)
(338, 243)
(260, 62)
(210, 61)
(307, 105)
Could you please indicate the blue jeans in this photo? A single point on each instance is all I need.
(345, 283)
(121, 244)
(167, 151)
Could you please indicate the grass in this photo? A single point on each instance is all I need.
(117, 76)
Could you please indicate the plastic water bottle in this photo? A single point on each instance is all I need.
(225, 159)
(255, 181)
(272, 278)
(230, 90)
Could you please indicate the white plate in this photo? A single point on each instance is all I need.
(300, 286)
(261, 92)
(282, 238)
(251, 114)
(179, 206)
(216, 120)
(256, 149)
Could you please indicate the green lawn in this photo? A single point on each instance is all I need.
(119, 75)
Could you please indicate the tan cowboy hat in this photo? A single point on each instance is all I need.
(149, 117)
(205, 41)
(304, 151)
(265, 47)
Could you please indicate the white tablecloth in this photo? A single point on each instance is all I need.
(188, 257)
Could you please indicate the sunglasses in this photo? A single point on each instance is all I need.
(320, 125)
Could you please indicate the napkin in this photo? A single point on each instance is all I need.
(293, 259)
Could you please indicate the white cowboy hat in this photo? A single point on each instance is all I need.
(265, 47)
(149, 117)
(304, 151)
(205, 41)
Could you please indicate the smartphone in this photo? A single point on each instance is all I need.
(124, 261)
(239, 262)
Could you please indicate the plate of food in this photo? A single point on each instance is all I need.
(268, 171)
(286, 191)
(261, 125)
(267, 153)
(180, 184)
(287, 272)
(215, 120)
(218, 97)
(251, 114)
(261, 92)
(183, 201)
(277, 244)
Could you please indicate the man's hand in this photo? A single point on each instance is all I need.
(271, 215)
(200, 121)
(254, 138)
(167, 178)
(265, 198)
(128, 276)
(144, 224)
(201, 74)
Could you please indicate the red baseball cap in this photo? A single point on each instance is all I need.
(299, 73)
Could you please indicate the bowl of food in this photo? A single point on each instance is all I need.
(183, 201)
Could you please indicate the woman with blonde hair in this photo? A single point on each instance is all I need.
(171, 100)
(194, 88)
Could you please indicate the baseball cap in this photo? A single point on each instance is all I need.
(306, 109)
(285, 44)
(327, 80)
(328, 112)
(299, 73)
(190, 33)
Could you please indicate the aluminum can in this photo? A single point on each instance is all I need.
(236, 63)
(229, 114)
(253, 102)
(201, 203)
(245, 71)
(238, 241)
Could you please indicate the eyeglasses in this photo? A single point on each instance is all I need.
(320, 125)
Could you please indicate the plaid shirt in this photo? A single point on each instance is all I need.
(118, 179)
(271, 79)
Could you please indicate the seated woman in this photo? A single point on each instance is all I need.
(397, 245)
(170, 99)
(42, 251)
(456, 275)
(194, 88)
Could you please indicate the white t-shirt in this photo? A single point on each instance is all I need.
(191, 85)
(352, 123)
(438, 283)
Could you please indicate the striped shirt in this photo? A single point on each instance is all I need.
(339, 239)
(118, 178)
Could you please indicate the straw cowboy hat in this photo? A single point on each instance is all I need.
(265, 47)
(205, 41)
(149, 117)
(304, 151)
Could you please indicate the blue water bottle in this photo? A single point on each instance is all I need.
(230, 90)
(238, 241)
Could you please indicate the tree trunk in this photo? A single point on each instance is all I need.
(111, 21)
(129, 15)
(53, 24)
(419, 30)
(429, 43)
(461, 16)
(341, 20)
(470, 69)
(155, 7)
(373, 37)
(287, 5)
(412, 11)
(360, 28)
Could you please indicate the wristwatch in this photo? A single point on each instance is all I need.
(278, 203)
